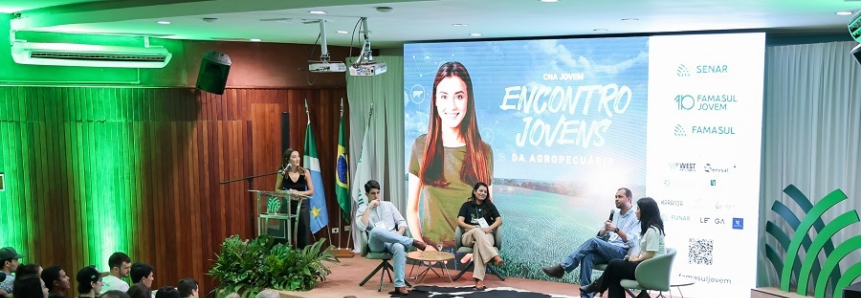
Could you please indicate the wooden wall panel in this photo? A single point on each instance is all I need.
(160, 155)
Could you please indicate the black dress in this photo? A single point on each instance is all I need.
(303, 234)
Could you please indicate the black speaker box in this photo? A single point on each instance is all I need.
(213, 72)
(853, 290)
(856, 52)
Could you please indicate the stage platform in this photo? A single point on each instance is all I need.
(345, 278)
(770, 292)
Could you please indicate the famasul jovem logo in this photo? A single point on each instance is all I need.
(810, 267)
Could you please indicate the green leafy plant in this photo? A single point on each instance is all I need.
(249, 266)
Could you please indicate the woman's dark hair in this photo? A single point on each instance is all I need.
(475, 163)
(488, 203)
(285, 159)
(167, 292)
(114, 294)
(650, 215)
(29, 269)
(27, 286)
(139, 290)
(139, 271)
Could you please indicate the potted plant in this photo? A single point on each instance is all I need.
(250, 266)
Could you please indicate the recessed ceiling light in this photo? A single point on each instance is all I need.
(600, 30)
(549, 1)
(254, 39)
(164, 22)
(342, 31)
(475, 34)
(630, 19)
(844, 13)
(460, 25)
(317, 12)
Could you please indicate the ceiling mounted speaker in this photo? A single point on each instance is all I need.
(213, 72)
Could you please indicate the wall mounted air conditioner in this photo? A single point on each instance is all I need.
(67, 54)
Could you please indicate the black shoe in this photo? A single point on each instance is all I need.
(554, 271)
(590, 288)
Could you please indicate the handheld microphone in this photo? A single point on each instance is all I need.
(612, 211)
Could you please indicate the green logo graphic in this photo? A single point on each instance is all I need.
(810, 266)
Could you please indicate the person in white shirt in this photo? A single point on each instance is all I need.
(651, 245)
(386, 227)
(121, 265)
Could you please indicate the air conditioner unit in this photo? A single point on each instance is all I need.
(85, 55)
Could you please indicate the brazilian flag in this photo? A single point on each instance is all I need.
(342, 180)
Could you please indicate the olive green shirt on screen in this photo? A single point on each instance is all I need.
(439, 205)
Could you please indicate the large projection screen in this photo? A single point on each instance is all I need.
(556, 126)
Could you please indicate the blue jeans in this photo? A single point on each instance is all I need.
(593, 251)
(380, 240)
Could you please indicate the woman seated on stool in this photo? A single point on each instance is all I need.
(651, 245)
(479, 218)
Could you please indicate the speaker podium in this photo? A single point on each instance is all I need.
(214, 69)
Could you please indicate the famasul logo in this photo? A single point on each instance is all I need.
(682, 71)
(679, 131)
(791, 242)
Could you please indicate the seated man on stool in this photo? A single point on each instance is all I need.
(619, 233)
(385, 227)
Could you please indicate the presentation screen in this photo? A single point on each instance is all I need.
(556, 126)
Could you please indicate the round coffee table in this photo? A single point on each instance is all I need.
(434, 258)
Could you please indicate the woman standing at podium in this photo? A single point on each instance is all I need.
(294, 179)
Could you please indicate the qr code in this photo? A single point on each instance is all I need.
(700, 251)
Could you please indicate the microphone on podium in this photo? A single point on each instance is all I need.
(284, 170)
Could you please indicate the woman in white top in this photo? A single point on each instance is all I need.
(651, 245)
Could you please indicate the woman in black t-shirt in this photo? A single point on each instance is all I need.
(479, 218)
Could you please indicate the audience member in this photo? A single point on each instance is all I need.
(30, 286)
(188, 288)
(8, 264)
(142, 273)
(167, 292)
(114, 294)
(120, 264)
(139, 290)
(89, 282)
(56, 281)
(28, 269)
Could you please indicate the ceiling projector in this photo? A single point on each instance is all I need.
(365, 66)
(368, 69)
(326, 66)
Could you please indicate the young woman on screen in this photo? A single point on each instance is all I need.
(448, 160)
(651, 245)
(295, 179)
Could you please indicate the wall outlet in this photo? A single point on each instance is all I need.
(346, 228)
(335, 230)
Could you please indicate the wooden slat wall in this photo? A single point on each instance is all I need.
(161, 153)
